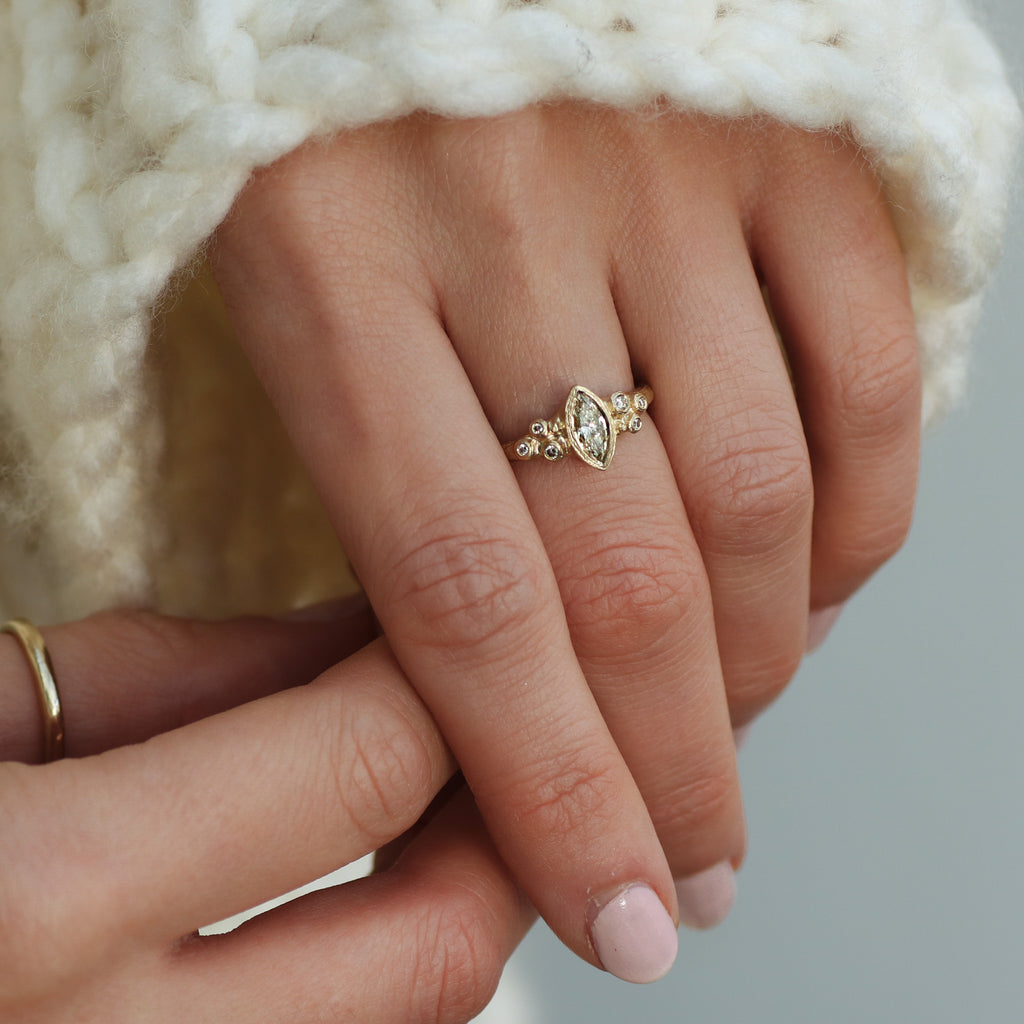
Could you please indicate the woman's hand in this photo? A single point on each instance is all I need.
(416, 292)
(111, 862)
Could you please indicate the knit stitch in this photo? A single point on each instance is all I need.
(128, 127)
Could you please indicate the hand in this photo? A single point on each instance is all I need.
(111, 862)
(413, 293)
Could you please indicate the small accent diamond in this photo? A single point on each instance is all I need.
(538, 428)
(635, 424)
(524, 449)
(552, 452)
(620, 402)
(640, 402)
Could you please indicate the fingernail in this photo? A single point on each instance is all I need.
(819, 625)
(327, 611)
(634, 936)
(705, 899)
(741, 735)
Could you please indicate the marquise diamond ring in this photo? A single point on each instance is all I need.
(588, 426)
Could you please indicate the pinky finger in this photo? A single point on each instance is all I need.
(841, 300)
(425, 940)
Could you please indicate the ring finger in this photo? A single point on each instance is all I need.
(631, 579)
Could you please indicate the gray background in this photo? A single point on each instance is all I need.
(885, 792)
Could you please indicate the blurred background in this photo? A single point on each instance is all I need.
(885, 791)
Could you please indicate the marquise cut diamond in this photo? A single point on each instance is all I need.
(589, 428)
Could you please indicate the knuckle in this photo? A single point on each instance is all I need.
(889, 537)
(630, 592)
(381, 771)
(490, 167)
(566, 794)
(879, 384)
(340, 213)
(459, 958)
(872, 542)
(756, 493)
(706, 802)
(758, 684)
(297, 199)
(466, 586)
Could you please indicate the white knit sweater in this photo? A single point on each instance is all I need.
(127, 128)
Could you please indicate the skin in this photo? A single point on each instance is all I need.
(113, 858)
(414, 293)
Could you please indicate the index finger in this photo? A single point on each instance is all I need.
(203, 822)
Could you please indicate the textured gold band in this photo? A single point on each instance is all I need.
(49, 699)
(588, 426)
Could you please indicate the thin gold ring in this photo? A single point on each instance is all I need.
(587, 426)
(34, 646)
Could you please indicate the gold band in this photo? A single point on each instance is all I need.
(49, 699)
(588, 427)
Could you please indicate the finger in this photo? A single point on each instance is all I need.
(208, 820)
(465, 592)
(428, 510)
(838, 288)
(696, 323)
(426, 940)
(126, 676)
(630, 575)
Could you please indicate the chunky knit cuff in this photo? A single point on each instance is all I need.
(127, 128)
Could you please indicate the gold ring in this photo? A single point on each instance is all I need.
(49, 699)
(588, 426)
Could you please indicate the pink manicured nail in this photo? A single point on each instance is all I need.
(705, 899)
(819, 625)
(634, 936)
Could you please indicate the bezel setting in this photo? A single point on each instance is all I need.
(588, 426)
(582, 402)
